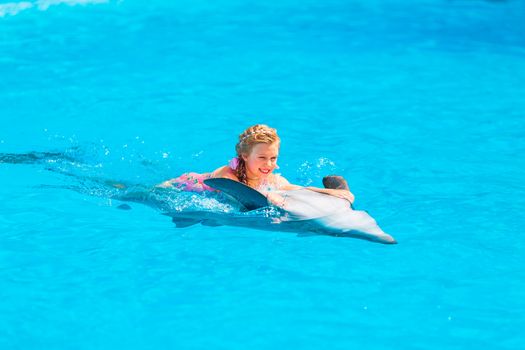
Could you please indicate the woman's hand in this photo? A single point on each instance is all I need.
(344, 194)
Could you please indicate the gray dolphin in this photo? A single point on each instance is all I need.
(302, 211)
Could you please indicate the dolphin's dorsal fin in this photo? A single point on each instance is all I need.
(251, 199)
(335, 182)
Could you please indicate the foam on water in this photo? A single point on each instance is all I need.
(13, 8)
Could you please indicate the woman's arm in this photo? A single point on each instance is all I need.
(224, 172)
(284, 184)
(344, 194)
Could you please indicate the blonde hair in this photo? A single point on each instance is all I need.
(250, 137)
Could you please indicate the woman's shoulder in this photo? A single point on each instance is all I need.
(225, 171)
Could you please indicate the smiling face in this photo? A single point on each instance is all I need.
(262, 160)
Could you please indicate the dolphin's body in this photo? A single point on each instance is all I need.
(303, 211)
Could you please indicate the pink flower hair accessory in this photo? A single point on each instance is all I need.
(234, 163)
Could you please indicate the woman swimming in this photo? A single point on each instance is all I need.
(257, 152)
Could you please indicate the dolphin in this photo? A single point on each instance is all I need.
(302, 211)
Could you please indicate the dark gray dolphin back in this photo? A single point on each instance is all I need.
(251, 199)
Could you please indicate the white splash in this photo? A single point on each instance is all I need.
(13, 8)
(45, 4)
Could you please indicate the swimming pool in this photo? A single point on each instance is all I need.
(420, 106)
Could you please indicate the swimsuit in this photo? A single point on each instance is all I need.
(192, 182)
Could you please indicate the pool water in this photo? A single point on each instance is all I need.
(419, 105)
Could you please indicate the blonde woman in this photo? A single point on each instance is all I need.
(257, 153)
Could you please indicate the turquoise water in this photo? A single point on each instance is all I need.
(420, 106)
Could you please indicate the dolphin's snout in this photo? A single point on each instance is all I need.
(387, 239)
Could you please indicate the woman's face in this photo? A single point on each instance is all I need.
(262, 160)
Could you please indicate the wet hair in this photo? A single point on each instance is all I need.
(250, 137)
